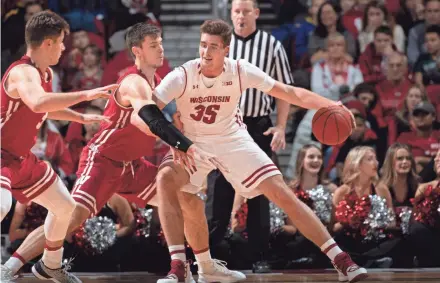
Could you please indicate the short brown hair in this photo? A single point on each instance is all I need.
(218, 27)
(254, 2)
(43, 25)
(137, 33)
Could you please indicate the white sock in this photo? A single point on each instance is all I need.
(53, 259)
(14, 263)
(177, 252)
(204, 261)
(331, 249)
(203, 256)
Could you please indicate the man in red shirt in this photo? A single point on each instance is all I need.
(392, 91)
(424, 141)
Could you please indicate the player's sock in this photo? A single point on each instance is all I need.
(15, 262)
(52, 257)
(203, 258)
(177, 252)
(331, 249)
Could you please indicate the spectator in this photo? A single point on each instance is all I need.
(328, 22)
(90, 75)
(375, 15)
(396, 84)
(372, 60)
(411, 13)
(352, 12)
(427, 67)
(416, 37)
(424, 140)
(328, 77)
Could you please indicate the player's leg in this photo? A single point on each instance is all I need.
(6, 202)
(197, 235)
(34, 243)
(277, 191)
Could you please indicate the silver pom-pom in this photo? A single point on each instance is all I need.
(145, 223)
(100, 232)
(380, 217)
(405, 217)
(277, 217)
(322, 203)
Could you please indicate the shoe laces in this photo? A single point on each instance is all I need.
(220, 265)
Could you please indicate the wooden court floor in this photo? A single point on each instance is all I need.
(312, 276)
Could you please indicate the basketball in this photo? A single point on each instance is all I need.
(331, 125)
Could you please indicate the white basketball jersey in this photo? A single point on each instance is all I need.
(211, 111)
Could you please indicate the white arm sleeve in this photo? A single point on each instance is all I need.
(253, 77)
(172, 86)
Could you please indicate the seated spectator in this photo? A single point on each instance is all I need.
(328, 76)
(416, 37)
(427, 67)
(396, 84)
(295, 36)
(352, 12)
(90, 74)
(375, 15)
(402, 120)
(411, 13)
(328, 22)
(373, 59)
(424, 140)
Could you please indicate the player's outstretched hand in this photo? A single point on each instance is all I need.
(195, 152)
(93, 118)
(100, 92)
(353, 120)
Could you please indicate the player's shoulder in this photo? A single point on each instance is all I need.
(24, 72)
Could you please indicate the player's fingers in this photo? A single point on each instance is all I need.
(268, 132)
(109, 89)
(191, 161)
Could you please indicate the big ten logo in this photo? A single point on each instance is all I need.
(82, 180)
(42, 121)
(227, 83)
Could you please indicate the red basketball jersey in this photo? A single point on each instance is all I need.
(19, 124)
(120, 140)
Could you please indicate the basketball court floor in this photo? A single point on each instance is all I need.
(312, 276)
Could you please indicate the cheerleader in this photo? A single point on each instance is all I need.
(425, 228)
(353, 204)
(310, 188)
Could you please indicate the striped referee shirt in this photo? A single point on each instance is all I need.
(264, 51)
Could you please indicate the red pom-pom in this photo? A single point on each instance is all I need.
(426, 207)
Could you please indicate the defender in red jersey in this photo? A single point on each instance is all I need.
(26, 100)
(112, 162)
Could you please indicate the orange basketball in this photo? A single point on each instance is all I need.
(331, 125)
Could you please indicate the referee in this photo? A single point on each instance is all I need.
(264, 51)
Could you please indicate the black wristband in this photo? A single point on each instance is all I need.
(162, 128)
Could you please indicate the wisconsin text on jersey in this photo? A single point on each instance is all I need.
(210, 98)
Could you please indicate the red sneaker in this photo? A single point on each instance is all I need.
(180, 272)
(348, 270)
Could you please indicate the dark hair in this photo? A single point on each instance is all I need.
(427, 1)
(433, 29)
(137, 33)
(384, 29)
(321, 30)
(218, 27)
(366, 88)
(43, 25)
(95, 50)
(373, 4)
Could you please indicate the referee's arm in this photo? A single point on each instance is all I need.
(281, 72)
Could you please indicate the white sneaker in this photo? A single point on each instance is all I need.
(179, 270)
(6, 274)
(218, 272)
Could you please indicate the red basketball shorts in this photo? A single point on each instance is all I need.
(99, 178)
(26, 177)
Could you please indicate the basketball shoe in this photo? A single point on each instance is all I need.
(215, 270)
(60, 275)
(6, 275)
(180, 272)
(347, 269)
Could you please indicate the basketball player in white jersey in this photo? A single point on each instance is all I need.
(207, 92)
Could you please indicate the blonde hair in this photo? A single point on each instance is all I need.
(350, 173)
(389, 176)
